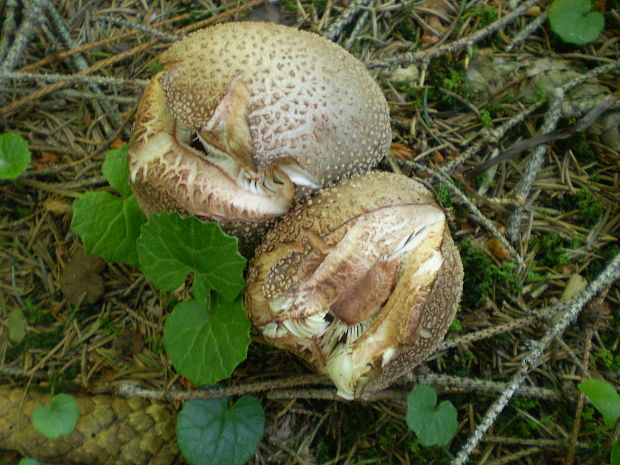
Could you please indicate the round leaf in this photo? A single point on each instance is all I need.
(115, 170)
(14, 155)
(108, 225)
(573, 21)
(17, 325)
(434, 426)
(604, 397)
(206, 344)
(171, 246)
(209, 433)
(28, 461)
(58, 419)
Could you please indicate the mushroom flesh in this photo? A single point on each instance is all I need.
(361, 280)
(247, 117)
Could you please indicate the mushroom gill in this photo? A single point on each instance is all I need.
(361, 280)
(246, 117)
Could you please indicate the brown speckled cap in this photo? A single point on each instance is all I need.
(362, 280)
(273, 106)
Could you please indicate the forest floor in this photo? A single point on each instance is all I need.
(466, 81)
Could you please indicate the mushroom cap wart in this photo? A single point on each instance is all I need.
(362, 280)
(248, 116)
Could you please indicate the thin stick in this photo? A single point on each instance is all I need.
(22, 39)
(345, 18)
(482, 385)
(72, 79)
(492, 136)
(75, 94)
(494, 330)
(466, 42)
(8, 27)
(142, 28)
(131, 390)
(530, 27)
(572, 446)
(570, 311)
(535, 163)
(81, 64)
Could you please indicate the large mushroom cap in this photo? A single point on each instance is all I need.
(244, 114)
(362, 281)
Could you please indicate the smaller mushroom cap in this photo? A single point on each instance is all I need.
(362, 280)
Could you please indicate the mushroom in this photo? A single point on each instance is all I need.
(361, 280)
(248, 117)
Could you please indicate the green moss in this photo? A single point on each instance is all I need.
(444, 197)
(608, 359)
(406, 26)
(61, 382)
(580, 145)
(486, 119)
(604, 256)
(485, 14)
(454, 81)
(482, 277)
(550, 250)
(320, 6)
(108, 326)
(589, 206)
(509, 277)
(290, 5)
(587, 413)
(524, 404)
(44, 341)
(155, 66)
(541, 93)
(35, 315)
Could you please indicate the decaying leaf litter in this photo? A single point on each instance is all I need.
(70, 83)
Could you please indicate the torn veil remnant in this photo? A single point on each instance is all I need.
(362, 281)
(245, 117)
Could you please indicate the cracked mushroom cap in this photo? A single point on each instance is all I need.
(247, 116)
(361, 280)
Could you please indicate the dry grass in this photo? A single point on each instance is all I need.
(553, 220)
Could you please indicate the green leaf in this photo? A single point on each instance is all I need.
(209, 433)
(17, 325)
(206, 344)
(114, 169)
(28, 461)
(433, 425)
(573, 21)
(108, 225)
(58, 419)
(14, 155)
(604, 397)
(171, 246)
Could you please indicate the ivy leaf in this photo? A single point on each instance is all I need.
(108, 225)
(433, 425)
(171, 246)
(615, 453)
(604, 397)
(58, 419)
(204, 343)
(115, 171)
(573, 21)
(210, 433)
(28, 461)
(14, 155)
